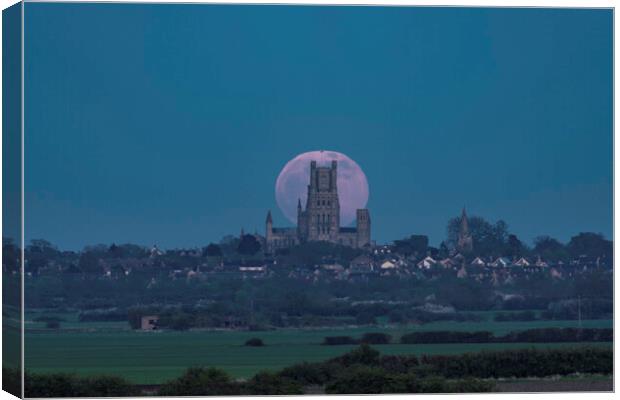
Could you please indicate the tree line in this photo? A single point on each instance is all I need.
(361, 371)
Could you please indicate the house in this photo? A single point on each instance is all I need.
(388, 265)
(332, 266)
(383, 250)
(478, 262)
(426, 263)
(501, 262)
(253, 269)
(447, 263)
(522, 262)
(541, 263)
(149, 322)
(155, 252)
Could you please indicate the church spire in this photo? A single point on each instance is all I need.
(269, 220)
(464, 223)
(465, 242)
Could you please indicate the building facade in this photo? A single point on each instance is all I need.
(320, 220)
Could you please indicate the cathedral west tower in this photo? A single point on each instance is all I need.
(320, 221)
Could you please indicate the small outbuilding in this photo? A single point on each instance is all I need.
(149, 322)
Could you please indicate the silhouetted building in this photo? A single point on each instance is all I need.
(465, 243)
(320, 221)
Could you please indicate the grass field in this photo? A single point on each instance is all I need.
(153, 357)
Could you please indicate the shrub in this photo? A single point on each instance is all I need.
(52, 324)
(107, 386)
(67, 385)
(372, 380)
(254, 342)
(51, 385)
(363, 379)
(447, 337)
(267, 383)
(559, 335)
(522, 363)
(376, 338)
(364, 355)
(199, 381)
(470, 385)
(338, 340)
(12, 381)
(398, 364)
(311, 373)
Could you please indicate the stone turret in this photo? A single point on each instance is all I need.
(363, 227)
(268, 228)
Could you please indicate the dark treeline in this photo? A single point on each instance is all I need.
(287, 301)
(363, 370)
(540, 335)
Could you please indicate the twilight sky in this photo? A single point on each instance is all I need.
(169, 124)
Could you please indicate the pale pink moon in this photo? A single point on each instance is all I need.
(292, 184)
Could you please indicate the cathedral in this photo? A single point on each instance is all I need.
(320, 220)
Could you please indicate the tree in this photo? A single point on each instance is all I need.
(229, 244)
(376, 338)
(267, 383)
(550, 249)
(514, 247)
(364, 355)
(590, 245)
(444, 251)
(362, 379)
(39, 253)
(67, 385)
(198, 381)
(212, 250)
(413, 245)
(254, 342)
(248, 245)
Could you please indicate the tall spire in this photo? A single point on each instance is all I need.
(465, 242)
(299, 204)
(464, 223)
(269, 220)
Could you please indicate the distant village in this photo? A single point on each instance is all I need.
(246, 257)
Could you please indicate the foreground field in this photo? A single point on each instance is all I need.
(153, 357)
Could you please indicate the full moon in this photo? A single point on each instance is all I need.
(292, 184)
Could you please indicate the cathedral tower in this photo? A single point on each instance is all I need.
(363, 227)
(320, 220)
(322, 206)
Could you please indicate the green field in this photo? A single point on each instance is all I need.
(152, 357)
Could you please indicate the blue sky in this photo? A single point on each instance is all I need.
(169, 124)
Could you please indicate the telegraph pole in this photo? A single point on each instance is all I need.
(579, 310)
